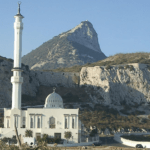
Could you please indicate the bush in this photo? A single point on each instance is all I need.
(131, 68)
(124, 111)
(127, 67)
(148, 67)
(48, 140)
(68, 135)
(121, 67)
(12, 140)
(28, 133)
(93, 132)
(108, 67)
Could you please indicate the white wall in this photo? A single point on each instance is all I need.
(29, 140)
(129, 142)
(45, 114)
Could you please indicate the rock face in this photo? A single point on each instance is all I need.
(32, 80)
(77, 46)
(123, 84)
(85, 35)
(117, 85)
(6, 86)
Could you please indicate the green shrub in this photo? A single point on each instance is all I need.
(48, 140)
(28, 133)
(93, 132)
(148, 67)
(68, 135)
(124, 111)
(108, 67)
(131, 68)
(121, 67)
(12, 140)
(127, 67)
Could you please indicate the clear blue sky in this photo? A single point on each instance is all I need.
(123, 26)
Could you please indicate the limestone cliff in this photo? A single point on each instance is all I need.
(117, 84)
(120, 84)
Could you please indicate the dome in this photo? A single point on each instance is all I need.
(53, 100)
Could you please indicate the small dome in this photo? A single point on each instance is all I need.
(53, 100)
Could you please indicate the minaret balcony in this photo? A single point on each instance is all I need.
(16, 79)
(17, 69)
(18, 25)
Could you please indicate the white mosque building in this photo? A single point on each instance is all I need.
(52, 119)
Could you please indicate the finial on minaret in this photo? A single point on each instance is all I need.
(54, 88)
(19, 3)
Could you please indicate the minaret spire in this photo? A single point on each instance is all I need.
(19, 3)
(16, 79)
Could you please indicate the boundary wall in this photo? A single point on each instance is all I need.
(118, 138)
(73, 144)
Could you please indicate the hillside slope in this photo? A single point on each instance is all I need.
(139, 57)
(77, 46)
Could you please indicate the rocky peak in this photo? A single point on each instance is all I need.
(84, 34)
(77, 46)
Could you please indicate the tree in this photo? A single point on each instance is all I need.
(93, 132)
(28, 133)
(17, 136)
(68, 135)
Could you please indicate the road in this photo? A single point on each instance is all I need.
(109, 141)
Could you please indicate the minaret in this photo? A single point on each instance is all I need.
(16, 79)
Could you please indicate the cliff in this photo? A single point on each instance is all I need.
(118, 84)
(32, 81)
(112, 85)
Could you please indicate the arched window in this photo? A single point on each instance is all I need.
(38, 123)
(52, 122)
(72, 123)
(31, 122)
(65, 123)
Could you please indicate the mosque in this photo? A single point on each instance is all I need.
(52, 119)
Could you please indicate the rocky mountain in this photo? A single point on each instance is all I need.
(77, 46)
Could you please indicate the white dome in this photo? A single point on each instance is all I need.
(53, 100)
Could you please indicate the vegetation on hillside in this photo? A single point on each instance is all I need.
(4, 58)
(69, 95)
(139, 57)
(101, 116)
(104, 117)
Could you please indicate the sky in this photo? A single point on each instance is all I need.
(123, 26)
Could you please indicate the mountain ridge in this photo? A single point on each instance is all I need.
(67, 49)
